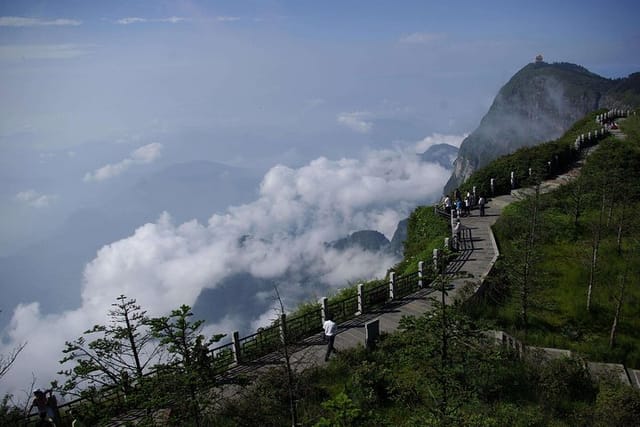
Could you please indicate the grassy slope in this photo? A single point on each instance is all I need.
(559, 317)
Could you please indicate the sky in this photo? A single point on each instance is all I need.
(307, 116)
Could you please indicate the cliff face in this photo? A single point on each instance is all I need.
(539, 104)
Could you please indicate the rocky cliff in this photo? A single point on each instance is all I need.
(539, 104)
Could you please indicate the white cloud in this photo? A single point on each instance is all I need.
(138, 20)
(18, 21)
(145, 154)
(173, 19)
(421, 38)
(437, 138)
(34, 199)
(131, 20)
(282, 234)
(44, 51)
(356, 121)
(227, 18)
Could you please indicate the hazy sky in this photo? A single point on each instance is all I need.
(326, 101)
(76, 71)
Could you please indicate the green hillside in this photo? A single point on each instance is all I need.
(601, 204)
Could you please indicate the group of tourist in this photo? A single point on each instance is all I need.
(462, 206)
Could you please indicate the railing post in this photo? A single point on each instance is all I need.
(392, 285)
(235, 339)
(360, 298)
(493, 186)
(420, 267)
(447, 243)
(436, 255)
(325, 308)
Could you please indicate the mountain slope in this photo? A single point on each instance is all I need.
(441, 154)
(538, 104)
(369, 240)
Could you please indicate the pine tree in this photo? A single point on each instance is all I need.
(122, 350)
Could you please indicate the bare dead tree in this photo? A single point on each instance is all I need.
(619, 302)
(25, 405)
(7, 360)
(621, 226)
(287, 362)
(576, 195)
(595, 246)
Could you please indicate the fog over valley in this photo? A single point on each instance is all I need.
(225, 266)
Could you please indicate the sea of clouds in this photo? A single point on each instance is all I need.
(283, 233)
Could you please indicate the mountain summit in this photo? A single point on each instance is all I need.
(539, 103)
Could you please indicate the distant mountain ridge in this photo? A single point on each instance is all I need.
(539, 103)
(369, 240)
(441, 154)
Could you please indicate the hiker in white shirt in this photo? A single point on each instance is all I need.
(330, 330)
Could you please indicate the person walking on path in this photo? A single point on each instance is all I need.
(458, 208)
(330, 330)
(457, 229)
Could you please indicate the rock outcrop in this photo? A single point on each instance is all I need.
(539, 103)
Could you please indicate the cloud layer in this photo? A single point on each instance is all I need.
(356, 121)
(421, 38)
(138, 20)
(143, 155)
(282, 234)
(19, 21)
(20, 52)
(34, 199)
